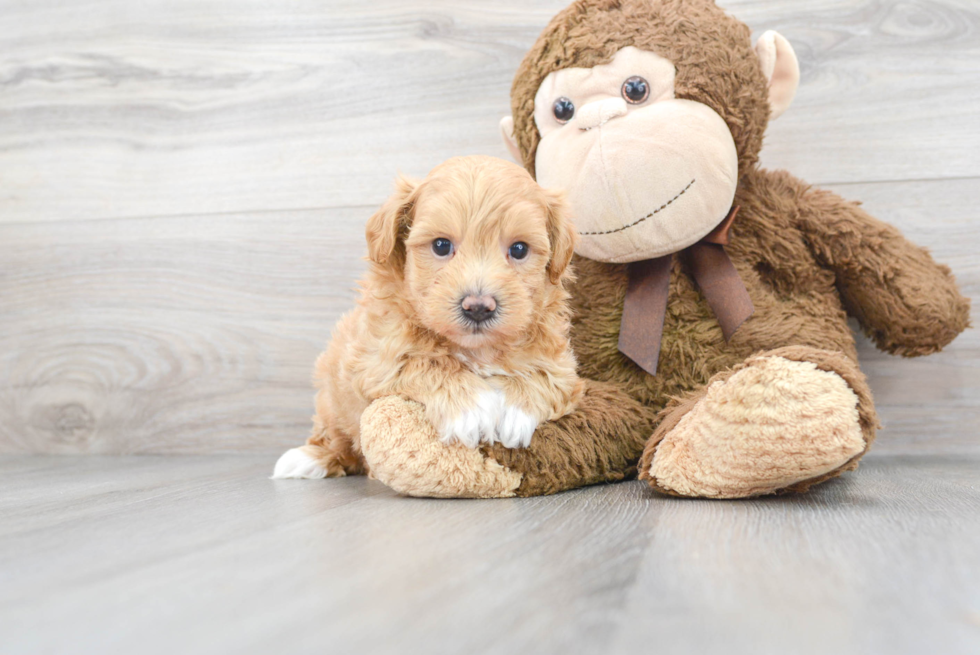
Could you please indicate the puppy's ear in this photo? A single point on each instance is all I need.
(561, 234)
(387, 228)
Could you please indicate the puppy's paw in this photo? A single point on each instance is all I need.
(296, 463)
(476, 424)
(515, 427)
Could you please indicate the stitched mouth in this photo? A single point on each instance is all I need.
(640, 220)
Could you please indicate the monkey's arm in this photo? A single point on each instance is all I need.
(906, 302)
(600, 441)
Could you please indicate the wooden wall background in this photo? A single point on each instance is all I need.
(184, 183)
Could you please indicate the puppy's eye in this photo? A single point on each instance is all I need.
(563, 110)
(636, 90)
(519, 250)
(442, 247)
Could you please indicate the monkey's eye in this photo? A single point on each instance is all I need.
(442, 247)
(519, 250)
(563, 110)
(636, 90)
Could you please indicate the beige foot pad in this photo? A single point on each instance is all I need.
(770, 425)
(403, 451)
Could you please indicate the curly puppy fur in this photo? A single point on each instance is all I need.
(807, 257)
(408, 335)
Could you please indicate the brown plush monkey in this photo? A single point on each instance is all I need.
(712, 295)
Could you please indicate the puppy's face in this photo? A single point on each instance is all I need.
(480, 246)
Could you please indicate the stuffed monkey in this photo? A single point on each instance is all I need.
(712, 296)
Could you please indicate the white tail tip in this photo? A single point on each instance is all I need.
(295, 463)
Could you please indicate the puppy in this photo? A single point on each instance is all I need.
(464, 309)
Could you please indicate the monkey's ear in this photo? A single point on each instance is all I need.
(386, 229)
(507, 131)
(781, 68)
(561, 234)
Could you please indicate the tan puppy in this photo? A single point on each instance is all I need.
(464, 309)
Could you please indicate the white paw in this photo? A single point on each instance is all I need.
(295, 463)
(476, 424)
(516, 427)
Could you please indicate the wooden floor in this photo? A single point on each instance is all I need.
(205, 555)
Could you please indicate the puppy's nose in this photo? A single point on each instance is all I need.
(479, 308)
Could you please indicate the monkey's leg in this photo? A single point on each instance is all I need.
(782, 421)
(599, 442)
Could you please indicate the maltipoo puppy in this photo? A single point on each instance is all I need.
(463, 309)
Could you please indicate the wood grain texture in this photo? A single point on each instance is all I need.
(184, 185)
(205, 555)
(198, 334)
(110, 109)
(186, 334)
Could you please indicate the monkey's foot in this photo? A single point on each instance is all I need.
(404, 451)
(782, 421)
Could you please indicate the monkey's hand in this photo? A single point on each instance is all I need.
(905, 302)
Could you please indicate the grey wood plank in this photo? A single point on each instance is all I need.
(198, 334)
(878, 564)
(192, 334)
(887, 88)
(205, 555)
(110, 109)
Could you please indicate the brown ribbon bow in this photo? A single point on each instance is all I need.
(645, 306)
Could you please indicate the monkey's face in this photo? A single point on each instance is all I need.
(647, 174)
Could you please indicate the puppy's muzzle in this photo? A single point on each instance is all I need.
(479, 309)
